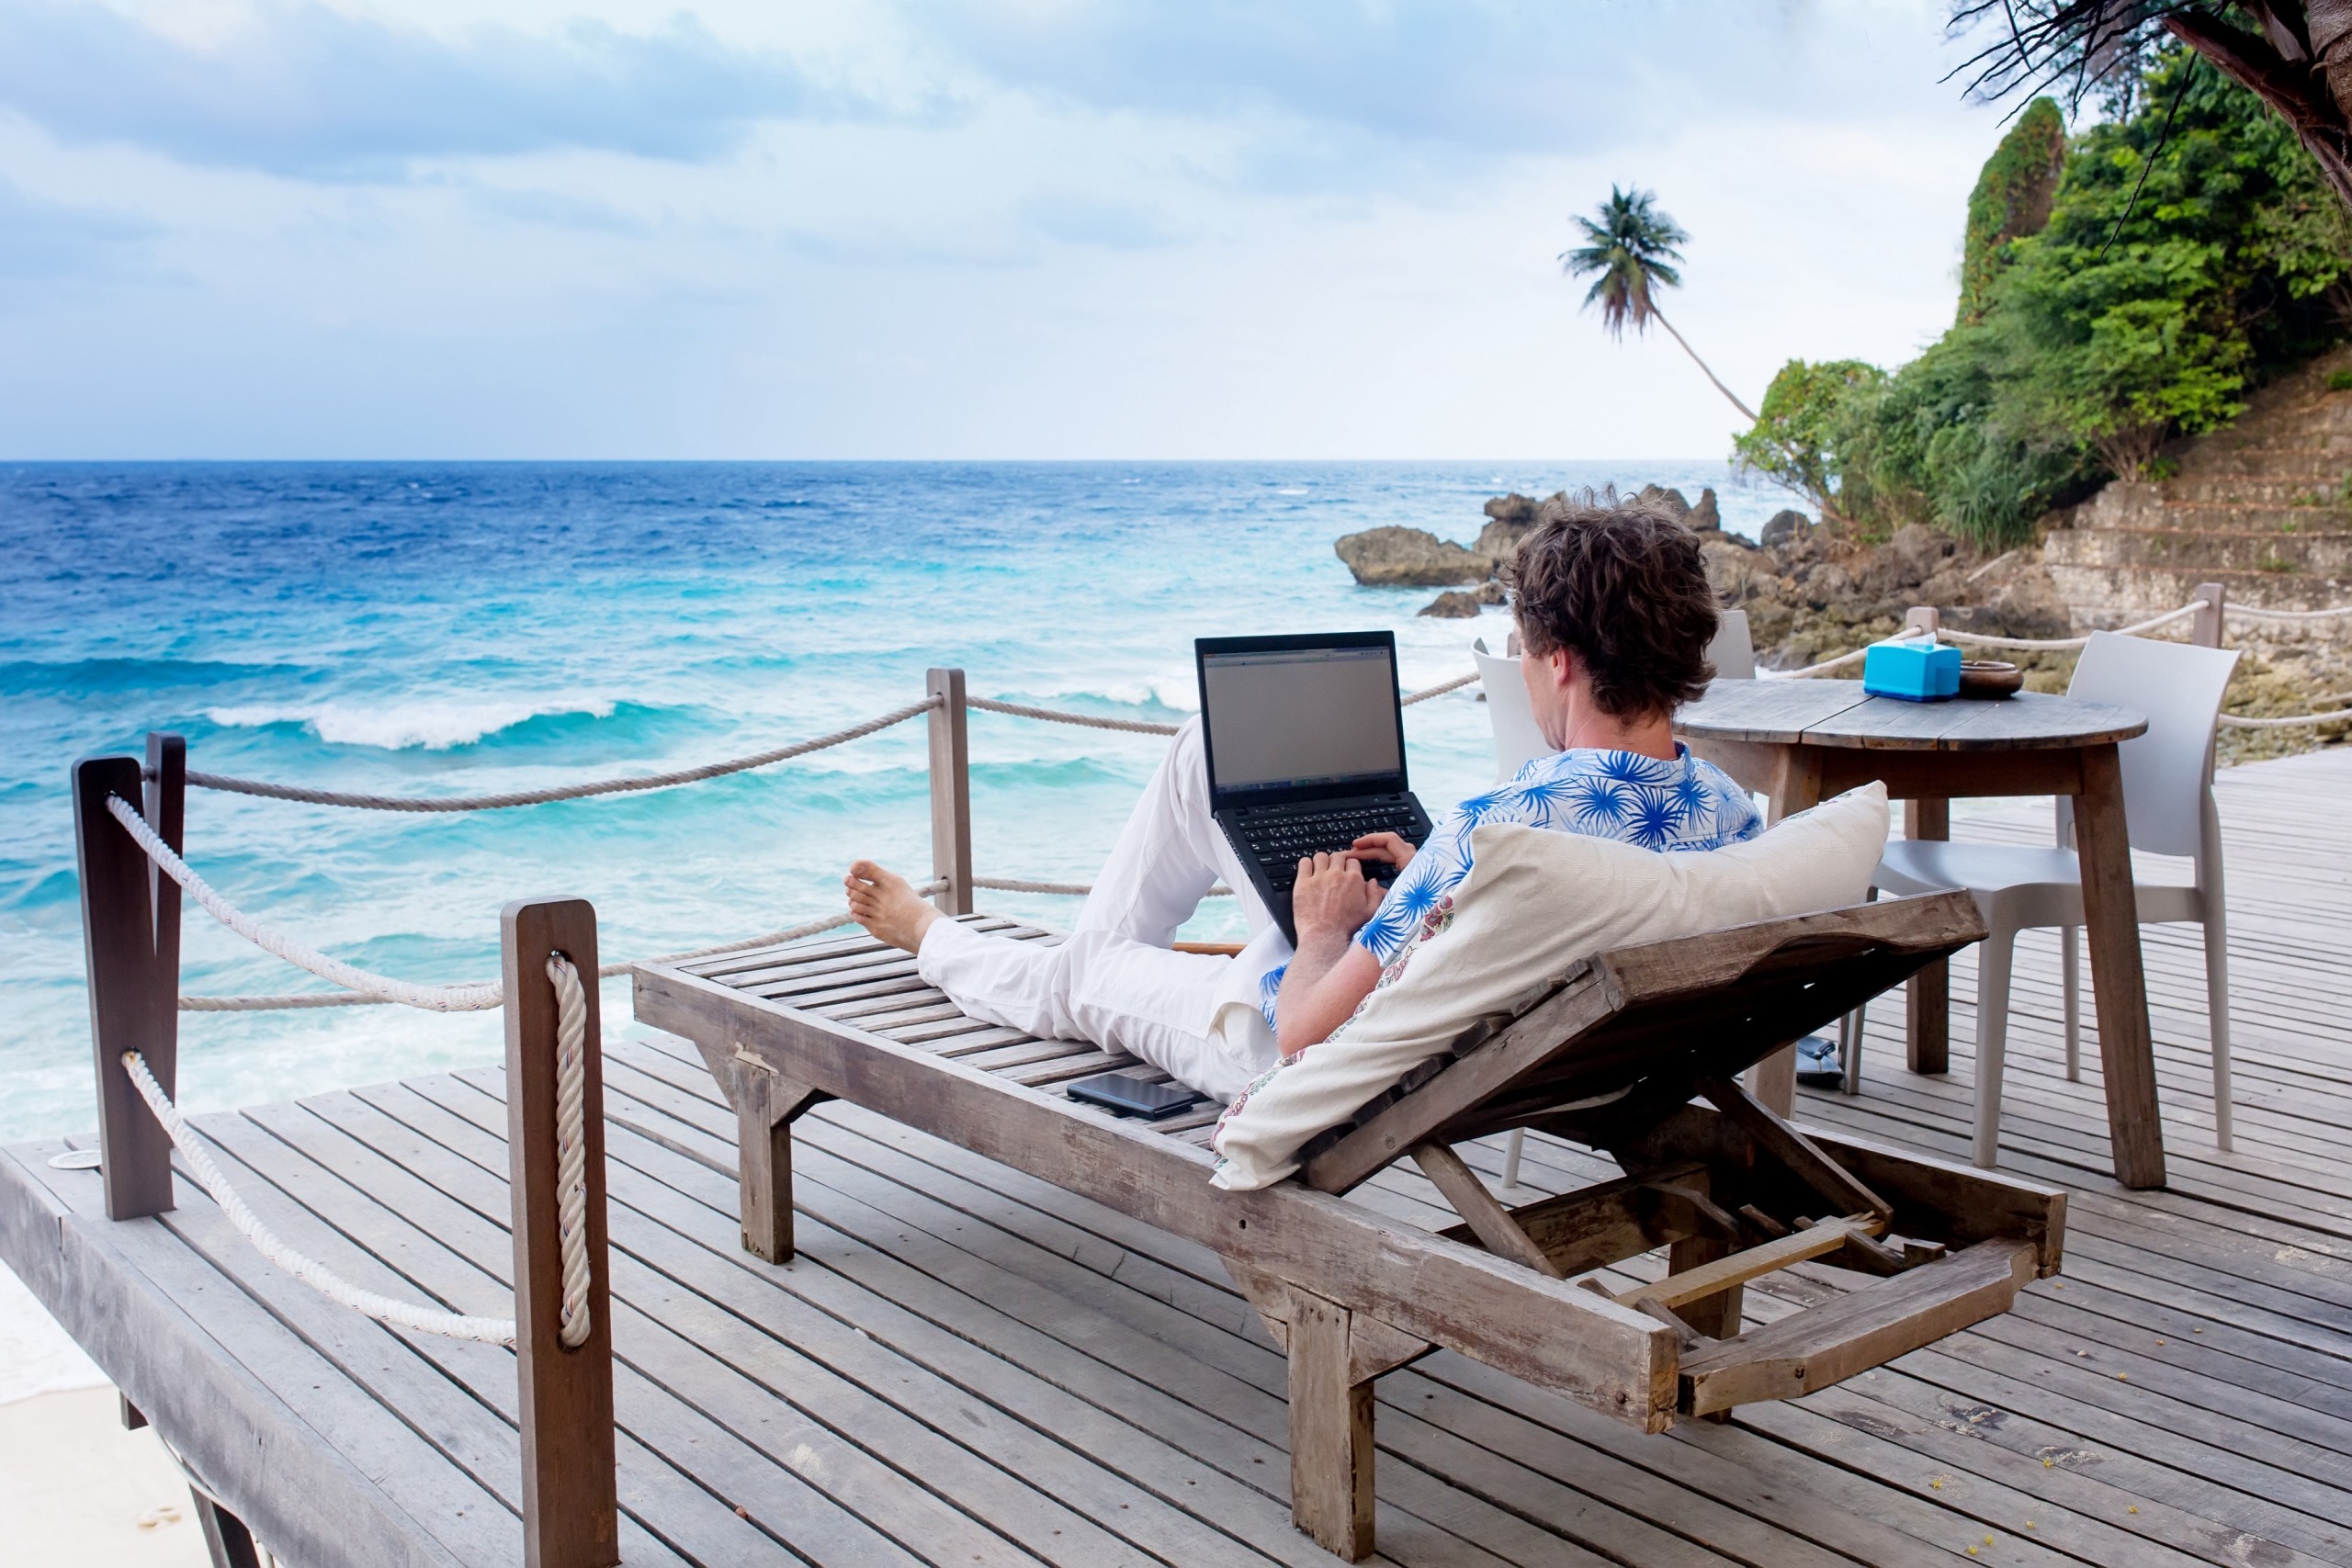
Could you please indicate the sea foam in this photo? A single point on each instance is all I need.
(427, 723)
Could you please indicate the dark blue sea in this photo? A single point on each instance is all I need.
(464, 628)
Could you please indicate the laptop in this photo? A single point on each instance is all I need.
(1306, 742)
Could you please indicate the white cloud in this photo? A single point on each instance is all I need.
(1071, 228)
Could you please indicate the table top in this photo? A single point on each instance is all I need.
(1837, 712)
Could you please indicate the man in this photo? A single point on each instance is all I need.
(1614, 614)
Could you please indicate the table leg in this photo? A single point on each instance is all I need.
(2111, 922)
(1928, 992)
(1796, 786)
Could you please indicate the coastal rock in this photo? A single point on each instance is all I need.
(1509, 518)
(1515, 509)
(1704, 518)
(1410, 557)
(1784, 526)
(1734, 566)
(1673, 501)
(1456, 603)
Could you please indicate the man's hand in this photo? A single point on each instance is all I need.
(1329, 974)
(1397, 850)
(1332, 898)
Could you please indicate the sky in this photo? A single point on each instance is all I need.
(947, 229)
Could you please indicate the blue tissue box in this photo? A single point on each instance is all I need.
(1917, 671)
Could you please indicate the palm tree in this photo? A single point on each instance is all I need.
(1632, 249)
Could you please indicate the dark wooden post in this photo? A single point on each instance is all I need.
(134, 991)
(166, 811)
(570, 1501)
(2205, 631)
(951, 794)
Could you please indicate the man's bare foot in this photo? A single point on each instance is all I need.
(887, 904)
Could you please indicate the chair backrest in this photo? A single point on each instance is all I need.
(2166, 772)
(1518, 740)
(1733, 653)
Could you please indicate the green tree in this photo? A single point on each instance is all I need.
(2192, 251)
(1630, 254)
(2012, 200)
(1803, 425)
(2188, 254)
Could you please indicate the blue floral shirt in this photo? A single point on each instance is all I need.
(1682, 804)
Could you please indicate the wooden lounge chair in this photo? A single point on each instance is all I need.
(1634, 1053)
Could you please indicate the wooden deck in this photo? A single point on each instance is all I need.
(965, 1365)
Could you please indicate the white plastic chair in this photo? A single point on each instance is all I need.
(1518, 740)
(2169, 810)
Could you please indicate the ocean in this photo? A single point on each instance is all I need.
(463, 628)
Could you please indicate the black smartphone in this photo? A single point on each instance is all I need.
(1131, 1096)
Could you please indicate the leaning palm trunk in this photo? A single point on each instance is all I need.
(1659, 317)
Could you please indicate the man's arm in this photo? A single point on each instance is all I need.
(1329, 975)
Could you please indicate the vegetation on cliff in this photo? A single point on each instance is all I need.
(2188, 251)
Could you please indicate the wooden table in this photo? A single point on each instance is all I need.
(1799, 742)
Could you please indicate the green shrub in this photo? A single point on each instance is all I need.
(2339, 381)
(2175, 272)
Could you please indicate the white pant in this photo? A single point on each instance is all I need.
(1115, 982)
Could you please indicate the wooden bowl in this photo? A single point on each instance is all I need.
(1989, 678)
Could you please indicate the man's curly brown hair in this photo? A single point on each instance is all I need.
(1623, 585)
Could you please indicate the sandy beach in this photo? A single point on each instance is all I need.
(76, 1491)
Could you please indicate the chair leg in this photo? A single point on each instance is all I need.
(2070, 971)
(1330, 1431)
(1991, 1040)
(1849, 1048)
(1510, 1155)
(2217, 1009)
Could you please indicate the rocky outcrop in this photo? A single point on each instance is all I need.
(1410, 557)
(1814, 594)
(1456, 605)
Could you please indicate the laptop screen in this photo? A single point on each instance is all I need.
(1287, 714)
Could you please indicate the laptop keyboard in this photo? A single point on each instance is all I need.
(1280, 841)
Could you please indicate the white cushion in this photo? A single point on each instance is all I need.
(1535, 903)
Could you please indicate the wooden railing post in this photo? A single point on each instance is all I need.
(570, 1500)
(2205, 631)
(133, 977)
(951, 793)
(1924, 618)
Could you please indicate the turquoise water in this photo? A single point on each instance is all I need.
(460, 629)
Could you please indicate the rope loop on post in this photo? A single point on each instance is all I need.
(571, 1146)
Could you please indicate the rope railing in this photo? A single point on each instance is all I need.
(630, 785)
(2255, 613)
(575, 1318)
(2236, 721)
(309, 1271)
(1061, 715)
(605, 972)
(1146, 727)
(433, 999)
